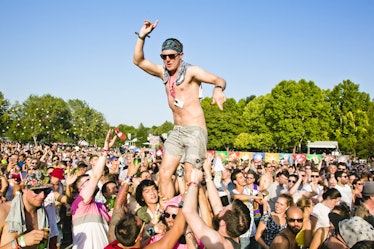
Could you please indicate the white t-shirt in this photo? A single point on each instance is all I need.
(346, 193)
(321, 212)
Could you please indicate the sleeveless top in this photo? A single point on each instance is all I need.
(234, 244)
(333, 241)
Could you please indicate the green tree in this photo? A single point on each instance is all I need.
(295, 113)
(350, 122)
(87, 123)
(44, 118)
(4, 113)
(256, 136)
(223, 126)
(142, 135)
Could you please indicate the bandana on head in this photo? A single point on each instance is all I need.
(172, 44)
(36, 180)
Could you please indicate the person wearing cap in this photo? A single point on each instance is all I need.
(23, 218)
(366, 210)
(113, 165)
(187, 142)
(56, 199)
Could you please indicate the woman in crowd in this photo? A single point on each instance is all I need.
(271, 223)
(331, 198)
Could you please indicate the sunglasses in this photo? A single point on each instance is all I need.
(167, 215)
(291, 181)
(295, 220)
(45, 190)
(171, 56)
(314, 176)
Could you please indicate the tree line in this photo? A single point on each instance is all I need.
(283, 120)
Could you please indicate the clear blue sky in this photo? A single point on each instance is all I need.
(83, 49)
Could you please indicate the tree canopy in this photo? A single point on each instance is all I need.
(283, 120)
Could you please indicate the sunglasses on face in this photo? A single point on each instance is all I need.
(45, 190)
(295, 220)
(315, 176)
(171, 56)
(291, 181)
(167, 215)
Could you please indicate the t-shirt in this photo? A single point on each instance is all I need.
(346, 193)
(321, 212)
(90, 224)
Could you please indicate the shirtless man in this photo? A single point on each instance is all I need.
(187, 142)
(267, 178)
(28, 233)
(286, 239)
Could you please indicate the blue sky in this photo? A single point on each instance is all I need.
(83, 49)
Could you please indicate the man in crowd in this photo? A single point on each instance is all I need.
(90, 219)
(187, 142)
(286, 238)
(25, 232)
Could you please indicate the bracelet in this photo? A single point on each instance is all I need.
(196, 183)
(141, 37)
(128, 178)
(150, 231)
(208, 180)
(180, 172)
(219, 87)
(190, 232)
(104, 152)
(22, 242)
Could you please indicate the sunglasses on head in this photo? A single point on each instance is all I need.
(171, 56)
(167, 215)
(294, 220)
(45, 190)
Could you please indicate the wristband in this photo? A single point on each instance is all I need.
(219, 87)
(22, 242)
(180, 172)
(195, 183)
(208, 180)
(189, 233)
(141, 37)
(104, 152)
(150, 231)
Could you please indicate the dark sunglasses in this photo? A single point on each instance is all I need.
(291, 181)
(171, 56)
(314, 176)
(294, 220)
(167, 215)
(45, 190)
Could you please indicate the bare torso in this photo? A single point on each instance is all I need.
(191, 114)
(5, 236)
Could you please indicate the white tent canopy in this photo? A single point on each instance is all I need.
(332, 145)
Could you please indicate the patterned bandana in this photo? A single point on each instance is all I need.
(36, 180)
(172, 44)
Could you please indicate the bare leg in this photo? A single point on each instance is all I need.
(167, 169)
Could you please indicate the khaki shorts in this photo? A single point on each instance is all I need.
(189, 143)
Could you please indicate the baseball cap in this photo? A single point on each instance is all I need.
(58, 173)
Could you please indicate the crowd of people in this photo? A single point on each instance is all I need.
(95, 198)
(85, 197)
